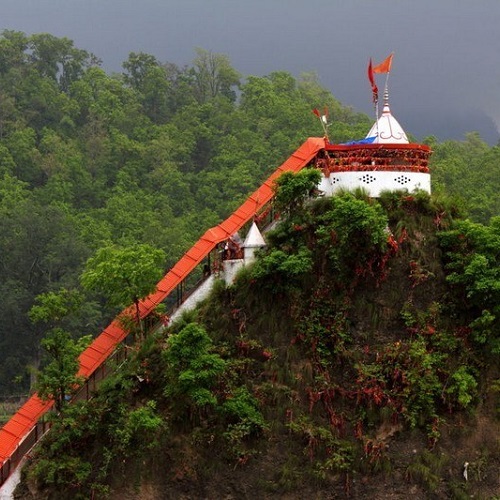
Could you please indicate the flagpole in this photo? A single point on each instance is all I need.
(387, 81)
(323, 119)
(324, 123)
(389, 65)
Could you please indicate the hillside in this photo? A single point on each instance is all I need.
(152, 155)
(358, 357)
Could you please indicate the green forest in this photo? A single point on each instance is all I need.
(306, 374)
(153, 156)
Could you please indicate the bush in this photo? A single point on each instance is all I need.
(192, 370)
(281, 271)
(462, 386)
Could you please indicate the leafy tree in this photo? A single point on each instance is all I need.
(193, 370)
(293, 189)
(58, 59)
(352, 227)
(124, 275)
(65, 308)
(13, 45)
(214, 76)
(58, 377)
(145, 75)
(138, 67)
(52, 307)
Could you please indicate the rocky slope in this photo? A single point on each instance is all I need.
(342, 364)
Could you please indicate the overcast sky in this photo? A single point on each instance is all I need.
(445, 77)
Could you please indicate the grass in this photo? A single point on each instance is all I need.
(426, 470)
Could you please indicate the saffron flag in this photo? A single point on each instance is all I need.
(384, 66)
(317, 113)
(372, 81)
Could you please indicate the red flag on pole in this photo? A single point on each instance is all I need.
(323, 119)
(384, 66)
(372, 81)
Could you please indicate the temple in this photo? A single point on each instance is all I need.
(383, 161)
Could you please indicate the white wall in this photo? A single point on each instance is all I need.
(375, 181)
(195, 298)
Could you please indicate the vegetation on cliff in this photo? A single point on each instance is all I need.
(153, 155)
(358, 355)
(336, 359)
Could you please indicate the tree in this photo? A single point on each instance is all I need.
(145, 75)
(214, 76)
(58, 59)
(350, 227)
(59, 376)
(124, 275)
(292, 189)
(13, 45)
(53, 307)
(193, 369)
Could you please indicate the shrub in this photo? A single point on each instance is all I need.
(462, 386)
(192, 370)
(138, 429)
(281, 271)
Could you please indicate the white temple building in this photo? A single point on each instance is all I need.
(383, 161)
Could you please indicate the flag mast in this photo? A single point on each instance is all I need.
(386, 65)
(323, 119)
(383, 67)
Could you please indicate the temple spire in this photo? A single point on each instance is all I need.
(386, 99)
(386, 128)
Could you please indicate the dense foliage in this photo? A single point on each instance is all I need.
(153, 155)
(468, 169)
(354, 355)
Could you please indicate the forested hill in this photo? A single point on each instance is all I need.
(153, 155)
(356, 358)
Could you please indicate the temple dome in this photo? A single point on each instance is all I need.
(387, 129)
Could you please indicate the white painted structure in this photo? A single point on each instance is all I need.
(230, 268)
(199, 294)
(253, 242)
(7, 488)
(387, 130)
(375, 182)
(383, 161)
